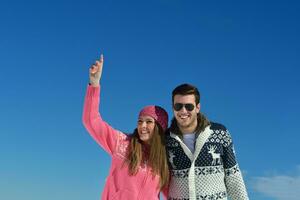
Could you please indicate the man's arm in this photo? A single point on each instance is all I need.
(233, 177)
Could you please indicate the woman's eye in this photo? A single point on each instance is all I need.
(149, 122)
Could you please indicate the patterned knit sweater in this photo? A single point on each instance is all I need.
(211, 173)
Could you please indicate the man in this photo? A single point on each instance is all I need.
(201, 155)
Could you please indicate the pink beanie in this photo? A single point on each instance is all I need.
(158, 113)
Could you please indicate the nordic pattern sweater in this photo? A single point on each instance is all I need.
(211, 173)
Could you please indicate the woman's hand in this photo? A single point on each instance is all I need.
(96, 71)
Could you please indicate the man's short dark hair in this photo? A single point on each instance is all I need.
(186, 89)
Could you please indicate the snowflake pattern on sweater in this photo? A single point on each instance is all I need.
(211, 173)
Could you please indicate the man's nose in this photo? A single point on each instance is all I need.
(183, 109)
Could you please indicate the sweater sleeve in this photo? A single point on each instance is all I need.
(101, 132)
(233, 177)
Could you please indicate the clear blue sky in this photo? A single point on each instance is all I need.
(242, 55)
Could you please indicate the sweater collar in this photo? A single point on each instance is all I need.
(202, 123)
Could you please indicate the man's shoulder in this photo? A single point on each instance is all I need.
(217, 126)
(167, 132)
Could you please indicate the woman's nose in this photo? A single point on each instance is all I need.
(144, 124)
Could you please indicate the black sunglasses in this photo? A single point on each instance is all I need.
(179, 106)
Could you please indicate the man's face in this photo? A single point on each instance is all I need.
(185, 111)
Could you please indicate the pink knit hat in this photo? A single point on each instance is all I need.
(158, 113)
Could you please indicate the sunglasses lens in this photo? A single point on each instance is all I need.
(178, 106)
(189, 107)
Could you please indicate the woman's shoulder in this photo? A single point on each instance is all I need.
(123, 141)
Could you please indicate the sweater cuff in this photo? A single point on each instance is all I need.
(92, 90)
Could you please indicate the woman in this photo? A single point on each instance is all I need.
(139, 168)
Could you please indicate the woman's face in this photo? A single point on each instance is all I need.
(145, 128)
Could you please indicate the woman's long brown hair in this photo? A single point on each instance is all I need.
(157, 158)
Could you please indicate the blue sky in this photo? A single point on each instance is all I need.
(242, 55)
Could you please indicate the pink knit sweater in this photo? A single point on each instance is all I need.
(119, 184)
